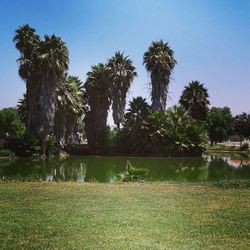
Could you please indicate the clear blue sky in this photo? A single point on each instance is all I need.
(211, 40)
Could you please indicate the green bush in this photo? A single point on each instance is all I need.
(6, 153)
(11, 126)
(244, 146)
(231, 184)
(148, 132)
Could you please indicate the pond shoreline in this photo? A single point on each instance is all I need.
(220, 170)
(239, 184)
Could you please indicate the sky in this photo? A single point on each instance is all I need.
(210, 39)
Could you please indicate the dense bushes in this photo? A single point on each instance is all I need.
(219, 124)
(244, 146)
(11, 125)
(173, 132)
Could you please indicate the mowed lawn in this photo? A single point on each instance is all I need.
(123, 216)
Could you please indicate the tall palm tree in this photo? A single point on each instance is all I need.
(27, 42)
(53, 63)
(98, 96)
(195, 100)
(159, 61)
(69, 110)
(43, 64)
(53, 60)
(122, 73)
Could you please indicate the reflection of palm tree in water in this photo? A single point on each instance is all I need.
(65, 170)
(81, 172)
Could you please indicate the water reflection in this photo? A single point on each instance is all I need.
(107, 169)
(227, 168)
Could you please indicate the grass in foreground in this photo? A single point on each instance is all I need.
(123, 216)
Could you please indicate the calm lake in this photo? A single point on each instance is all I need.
(108, 169)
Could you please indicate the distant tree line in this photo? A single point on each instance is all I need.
(58, 111)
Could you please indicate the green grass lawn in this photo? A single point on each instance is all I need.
(123, 216)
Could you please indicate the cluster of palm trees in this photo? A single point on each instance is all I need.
(56, 105)
(109, 83)
(154, 132)
(43, 65)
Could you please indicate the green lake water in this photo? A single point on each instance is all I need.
(108, 169)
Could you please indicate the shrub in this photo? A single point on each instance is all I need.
(173, 132)
(6, 153)
(244, 146)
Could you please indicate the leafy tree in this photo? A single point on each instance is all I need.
(122, 73)
(159, 61)
(98, 97)
(195, 100)
(219, 124)
(11, 126)
(241, 125)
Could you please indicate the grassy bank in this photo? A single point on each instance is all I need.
(221, 148)
(123, 216)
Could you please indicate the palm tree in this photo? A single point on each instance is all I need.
(69, 110)
(52, 65)
(138, 111)
(43, 65)
(22, 108)
(187, 135)
(98, 96)
(195, 100)
(27, 42)
(133, 137)
(122, 73)
(159, 61)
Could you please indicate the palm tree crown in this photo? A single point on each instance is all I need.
(195, 100)
(27, 42)
(97, 85)
(53, 56)
(159, 61)
(122, 73)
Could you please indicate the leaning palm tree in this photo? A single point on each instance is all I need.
(122, 73)
(27, 42)
(69, 111)
(98, 96)
(159, 61)
(195, 100)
